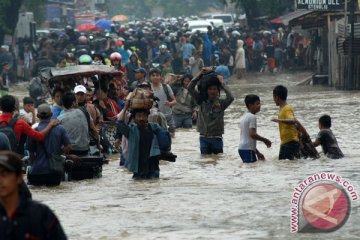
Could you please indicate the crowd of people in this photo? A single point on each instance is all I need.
(96, 117)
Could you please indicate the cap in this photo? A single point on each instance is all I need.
(4, 64)
(5, 47)
(80, 88)
(44, 110)
(140, 70)
(144, 84)
(10, 161)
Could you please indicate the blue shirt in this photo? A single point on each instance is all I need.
(56, 110)
(223, 71)
(187, 50)
(54, 141)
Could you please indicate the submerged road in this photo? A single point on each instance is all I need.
(218, 197)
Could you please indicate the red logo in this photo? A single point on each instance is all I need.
(325, 207)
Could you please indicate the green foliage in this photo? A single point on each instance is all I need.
(172, 8)
(8, 16)
(258, 8)
(37, 7)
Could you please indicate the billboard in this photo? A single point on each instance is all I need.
(321, 5)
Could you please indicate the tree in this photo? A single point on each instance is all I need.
(9, 14)
(172, 8)
(36, 7)
(259, 8)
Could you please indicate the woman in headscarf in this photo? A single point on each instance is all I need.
(240, 60)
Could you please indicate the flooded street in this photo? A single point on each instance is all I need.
(218, 197)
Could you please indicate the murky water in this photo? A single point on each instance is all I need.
(217, 197)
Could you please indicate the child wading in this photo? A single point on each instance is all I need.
(289, 148)
(327, 140)
(248, 134)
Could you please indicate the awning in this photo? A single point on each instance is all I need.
(291, 16)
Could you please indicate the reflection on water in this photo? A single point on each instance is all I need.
(217, 197)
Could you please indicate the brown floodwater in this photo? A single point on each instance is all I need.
(218, 197)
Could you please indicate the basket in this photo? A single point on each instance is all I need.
(141, 103)
(141, 99)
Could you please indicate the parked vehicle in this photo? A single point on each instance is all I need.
(227, 18)
(199, 25)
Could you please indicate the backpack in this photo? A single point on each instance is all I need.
(166, 90)
(163, 137)
(8, 129)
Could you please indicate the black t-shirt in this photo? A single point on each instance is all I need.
(270, 51)
(329, 144)
(146, 137)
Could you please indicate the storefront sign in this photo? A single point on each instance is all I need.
(321, 5)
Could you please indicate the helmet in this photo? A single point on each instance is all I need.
(115, 56)
(85, 59)
(163, 46)
(119, 43)
(82, 40)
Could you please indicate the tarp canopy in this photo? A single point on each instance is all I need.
(53, 74)
(67, 78)
(286, 19)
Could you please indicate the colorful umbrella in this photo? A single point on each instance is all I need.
(277, 20)
(88, 27)
(104, 24)
(120, 18)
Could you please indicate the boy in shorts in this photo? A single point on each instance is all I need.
(248, 135)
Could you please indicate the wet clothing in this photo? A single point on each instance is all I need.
(211, 145)
(148, 167)
(329, 144)
(289, 150)
(247, 121)
(248, 156)
(142, 160)
(31, 220)
(75, 123)
(54, 141)
(210, 121)
(288, 132)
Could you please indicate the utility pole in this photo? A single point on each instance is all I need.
(350, 82)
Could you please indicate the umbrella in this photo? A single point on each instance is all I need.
(277, 20)
(104, 24)
(119, 18)
(87, 27)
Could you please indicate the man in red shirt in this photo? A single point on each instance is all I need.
(7, 104)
